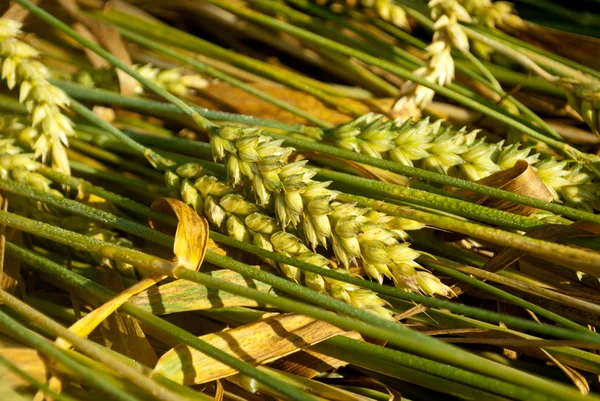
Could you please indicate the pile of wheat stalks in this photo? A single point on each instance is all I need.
(298, 200)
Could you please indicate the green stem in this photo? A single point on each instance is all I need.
(118, 161)
(34, 340)
(388, 361)
(438, 202)
(213, 72)
(168, 241)
(473, 282)
(129, 182)
(551, 61)
(86, 187)
(570, 257)
(102, 96)
(440, 351)
(183, 40)
(402, 73)
(91, 349)
(438, 178)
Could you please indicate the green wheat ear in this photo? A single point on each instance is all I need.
(44, 101)
(430, 146)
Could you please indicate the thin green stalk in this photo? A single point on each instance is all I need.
(102, 96)
(91, 349)
(561, 147)
(426, 175)
(183, 40)
(121, 162)
(119, 178)
(168, 241)
(494, 86)
(213, 72)
(400, 169)
(326, 14)
(64, 28)
(87, 187)
(438, 202)
(34, 340)
(472, 362)
(573, 258)
(90, 116)
(35, 383)
(389, 361)
(181, 146)
(551, 61)
(322, 28)
(394, 167)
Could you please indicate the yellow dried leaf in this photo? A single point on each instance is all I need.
(120, 332)
(310, 363)
(257, 343)
(190, 245)
(191, 236)
(182, 295)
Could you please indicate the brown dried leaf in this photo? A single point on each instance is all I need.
(110, 38)
(95, 60)
(257, 343)
(521, 180)
(222, 96)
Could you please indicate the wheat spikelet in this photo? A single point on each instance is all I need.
(172, 79)
(489, 13)
(356, 234)
(385, 9)
(245, 221)
(460, 153)
(43, 100)
(448, 34)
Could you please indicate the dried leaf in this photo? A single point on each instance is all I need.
(191, 236)
(310, 363)
(521, 180)
(110, 38)
(95, 60)
(184, 296)
(228, 98)
(27, 359)
(577, 378)
(257, 343)
(191, 229)
(16, 12)
(121, 332)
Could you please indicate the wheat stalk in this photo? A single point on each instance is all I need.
(355, 234)
(430, 146)
(43, 100)
(448, 34)
(374, 243)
